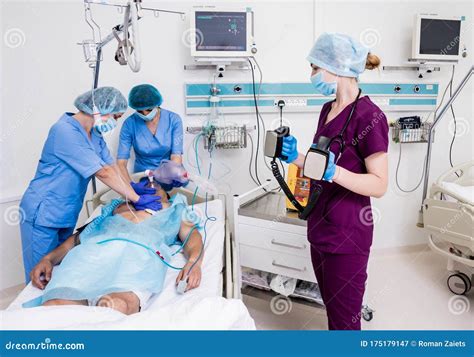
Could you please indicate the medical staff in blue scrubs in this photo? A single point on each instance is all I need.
(73, 152)
(153, 132)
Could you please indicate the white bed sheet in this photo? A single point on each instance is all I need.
(465, 192)
(200, 308)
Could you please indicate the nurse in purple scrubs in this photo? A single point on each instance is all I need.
(340, 227)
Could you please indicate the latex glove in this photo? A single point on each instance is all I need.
(331, 169)
(290, 149)
(148, 201)
(141, 189)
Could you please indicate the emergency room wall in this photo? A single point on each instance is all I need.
(43, 71)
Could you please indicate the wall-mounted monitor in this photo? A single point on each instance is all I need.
(437, 38)
(221, 33)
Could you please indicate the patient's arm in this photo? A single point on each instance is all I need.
(45, 266)
(194, 253)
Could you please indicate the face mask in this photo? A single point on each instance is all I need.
(104, 124)
(321, 86)
(149, 116)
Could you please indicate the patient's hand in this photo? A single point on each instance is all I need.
(194, 278)
(41, 273)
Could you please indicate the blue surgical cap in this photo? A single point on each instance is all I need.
(108, 100)
(339, 54)
(144, 96)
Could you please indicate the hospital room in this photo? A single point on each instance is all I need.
(238, 165)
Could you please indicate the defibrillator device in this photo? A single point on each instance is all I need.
(315, 163)
(273, 149)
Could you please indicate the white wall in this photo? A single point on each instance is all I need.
(43, 74)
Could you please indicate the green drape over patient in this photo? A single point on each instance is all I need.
(91, 270)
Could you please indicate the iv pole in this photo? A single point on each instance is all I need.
(115, 31)
(436, 120)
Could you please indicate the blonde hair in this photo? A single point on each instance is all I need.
(372, 61)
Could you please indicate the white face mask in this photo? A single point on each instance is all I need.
(150, 116)
(104, 123)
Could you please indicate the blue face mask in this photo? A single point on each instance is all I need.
(102, 125)
(321, 86)
(149, 116)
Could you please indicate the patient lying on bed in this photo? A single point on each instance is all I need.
(120, 259)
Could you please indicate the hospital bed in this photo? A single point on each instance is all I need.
(448, 216)
(202, 308)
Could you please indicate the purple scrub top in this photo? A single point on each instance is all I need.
(341, 222)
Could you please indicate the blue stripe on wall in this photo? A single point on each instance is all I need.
(307, 89)
(229, 103)
(416, 101)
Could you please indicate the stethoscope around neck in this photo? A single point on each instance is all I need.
(317, 158)
(325, 143)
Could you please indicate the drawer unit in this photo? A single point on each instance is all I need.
(276, 262)
(275, 240)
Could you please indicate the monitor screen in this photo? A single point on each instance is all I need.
(221, 31)
(439, 37)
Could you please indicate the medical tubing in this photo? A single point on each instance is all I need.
(455, 124)
(396, 174)
(212, 219)
(185, 241)
(258, 122)
(141, 245)
(284, 186)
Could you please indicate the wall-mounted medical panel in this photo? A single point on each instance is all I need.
(301, 97)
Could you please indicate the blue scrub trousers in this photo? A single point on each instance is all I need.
(37, 241)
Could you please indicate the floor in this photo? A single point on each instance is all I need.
(407, 290)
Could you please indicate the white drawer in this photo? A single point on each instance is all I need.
(273, 224)
(278, 263)
(270, 239)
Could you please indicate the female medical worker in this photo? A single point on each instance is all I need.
(73, 152)
(340, 226)
(155, 134)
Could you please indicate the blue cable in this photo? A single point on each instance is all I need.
(185, 241)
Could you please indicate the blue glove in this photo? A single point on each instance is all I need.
(331, 170)
(148, 201)
(289, 149)
(141, 189)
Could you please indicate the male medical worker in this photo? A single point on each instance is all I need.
(153, 132)
(340, 227)
(73, 152)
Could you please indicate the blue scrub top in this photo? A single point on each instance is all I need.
(69, 159)
(151, 149)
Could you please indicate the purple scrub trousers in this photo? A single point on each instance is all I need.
(340, 227)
